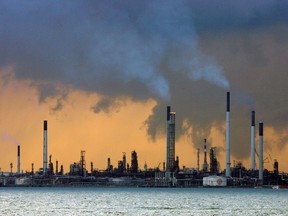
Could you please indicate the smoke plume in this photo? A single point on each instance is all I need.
(9, 139)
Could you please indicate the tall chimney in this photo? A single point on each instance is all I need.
(253, 140)
(56, 167)
(198, 159)
(61, 170)
(91, 168)
(109, 164)
(205, 164)
(124, 162)
(172, 140)
(228, 136)
(18, 158)
(45, 149)
(168, 138)
(32, 168)
(205, 151)
(261, 151)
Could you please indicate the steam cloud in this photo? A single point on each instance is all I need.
(181, 53)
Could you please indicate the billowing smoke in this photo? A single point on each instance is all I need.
(181, 53)
(112, 48)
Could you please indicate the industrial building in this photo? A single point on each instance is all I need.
(171, 175)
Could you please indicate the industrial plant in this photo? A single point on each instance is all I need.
(169, 175)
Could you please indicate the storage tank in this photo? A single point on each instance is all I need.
(215, 181)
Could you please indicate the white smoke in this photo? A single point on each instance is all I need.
(208, 71)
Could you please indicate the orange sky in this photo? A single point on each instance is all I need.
(101, 135)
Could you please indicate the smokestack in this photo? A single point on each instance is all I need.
(168, 138)
(228, 173)
(124, 161)
(45, 149)
(18, 157)
(198, 159)
(32, 168)
(261, 151)
(205, 164)
(205, 151)
(253, 140)
(11, 168)
(56, 167)
(108, 164)
(91, 167)
(61, 170)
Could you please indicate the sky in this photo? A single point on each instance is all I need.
(103, 72)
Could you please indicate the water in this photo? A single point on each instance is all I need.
(142, 201)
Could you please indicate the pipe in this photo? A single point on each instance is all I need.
(261, 151)
(18, 159)
(45, 149)
(253, 140)
(228, 173)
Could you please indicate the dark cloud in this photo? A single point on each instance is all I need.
(256, 64)
(181, 53)
(108, 105)
(230, 16)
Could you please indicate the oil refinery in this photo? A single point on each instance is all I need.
(169, 175)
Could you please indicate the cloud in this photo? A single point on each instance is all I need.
(108, 105)
(95, 46)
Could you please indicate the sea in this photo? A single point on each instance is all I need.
(142, 201)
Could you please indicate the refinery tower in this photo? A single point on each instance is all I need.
(170, 151)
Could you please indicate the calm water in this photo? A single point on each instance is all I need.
(142, 201)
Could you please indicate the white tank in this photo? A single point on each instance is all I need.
(214, 181)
